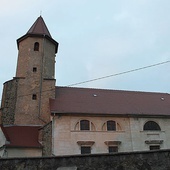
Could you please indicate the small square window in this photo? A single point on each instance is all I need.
(85, 150)
(154, 147)
(113, 149)
(34, 97)
(34, 69)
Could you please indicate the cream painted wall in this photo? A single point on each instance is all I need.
(23, 152)
(2, 142)
(131, 135)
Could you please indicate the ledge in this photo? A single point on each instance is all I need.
(112, 143)
(154, 141)
(85, 143)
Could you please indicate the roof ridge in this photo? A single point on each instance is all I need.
(114, 90)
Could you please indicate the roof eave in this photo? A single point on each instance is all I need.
(16, 146)
(38, 35)
(135, 115)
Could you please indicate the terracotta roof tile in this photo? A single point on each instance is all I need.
(39, 27)
(100, 101)
(21, 136)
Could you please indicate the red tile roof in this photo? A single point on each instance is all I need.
(39, 27)
(115, 102)
(21, 136)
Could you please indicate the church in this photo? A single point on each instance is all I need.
(39, 118)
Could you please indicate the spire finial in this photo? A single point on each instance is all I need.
(40, 12)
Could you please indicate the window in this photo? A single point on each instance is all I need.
(36, 46)
(154, 147)
(151, 125)
(111, 125)
(113, 149)
(85, 150)
(34, 97)
(34, 69)
(84, 125)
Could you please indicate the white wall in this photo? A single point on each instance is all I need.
(23, 152)
(131, 134)
(2, 142)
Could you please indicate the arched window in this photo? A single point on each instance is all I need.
(84, 125)
(151, 125)
(111, 125)
(36, 46)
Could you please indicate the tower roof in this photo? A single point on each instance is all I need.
(39, 27)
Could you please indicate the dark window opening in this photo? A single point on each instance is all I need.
(84, 125)
(36, 46)
(111, 125)
(151, 125)
(34, 97)
(113, 149)
(34, 69)
(154, 147)
(85, 150)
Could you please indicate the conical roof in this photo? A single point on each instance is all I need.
(39, 27)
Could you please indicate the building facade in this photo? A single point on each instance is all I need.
(75, 120)
(105, 121)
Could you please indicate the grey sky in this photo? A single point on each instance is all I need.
(96, 38)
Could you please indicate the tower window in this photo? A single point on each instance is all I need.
(36, 46)
(34, 69)
(34, 97)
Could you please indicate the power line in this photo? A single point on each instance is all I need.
(112, 75)
(117, 74)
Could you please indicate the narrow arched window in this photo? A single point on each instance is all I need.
(151, 125)
(84, 125)
(111, 125)
(36, 46)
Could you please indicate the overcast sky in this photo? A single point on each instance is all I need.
(96, 38)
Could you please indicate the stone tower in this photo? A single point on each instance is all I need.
(25, 98)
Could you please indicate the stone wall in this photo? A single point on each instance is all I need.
(8, 103)
(46, 132)
(148, 160)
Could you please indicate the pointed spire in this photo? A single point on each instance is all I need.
(39, 27)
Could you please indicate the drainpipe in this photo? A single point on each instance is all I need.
(41, 79)
(52, 141)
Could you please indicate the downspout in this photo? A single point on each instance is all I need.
(52, 142)
(130, 133)
(41, 79)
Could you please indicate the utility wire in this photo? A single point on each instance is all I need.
(104, 77)
(117, 74)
